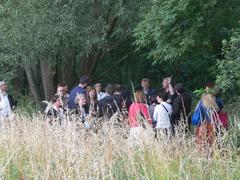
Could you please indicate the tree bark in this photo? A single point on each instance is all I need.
(66, 71)
(47, 72)
(88, 64)
(32, 85)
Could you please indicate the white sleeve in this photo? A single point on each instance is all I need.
(155, 114)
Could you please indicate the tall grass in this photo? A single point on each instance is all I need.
(29, 149)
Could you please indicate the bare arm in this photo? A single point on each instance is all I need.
(171, 89)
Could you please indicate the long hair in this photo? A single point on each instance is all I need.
(140, 97)
(89, 89)
(209, 101)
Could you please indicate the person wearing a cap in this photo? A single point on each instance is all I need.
(6, 101)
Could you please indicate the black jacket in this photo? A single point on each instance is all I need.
(11, 101)
(110, 105)
(181, 105)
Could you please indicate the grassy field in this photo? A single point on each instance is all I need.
(31, 150)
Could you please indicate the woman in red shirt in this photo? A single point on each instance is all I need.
(138, 110)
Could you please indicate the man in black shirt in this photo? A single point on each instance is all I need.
(181, 108)
(145, 85)
(108, 105)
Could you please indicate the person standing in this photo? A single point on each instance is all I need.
(181, 109)
(145, 85)
(154, 103)
(108, 105)
(54, 111)
(7, 103)
(139, 115)
(80, 89)
(168, 88)
(118, 96)
(92, 101)
(162, 115)
(205, 120)
(100, 94)
(61, 91)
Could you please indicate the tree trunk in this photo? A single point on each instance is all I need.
(47, 72)
(20, 81)
(89, 64)
(32, 85)
(67, 73)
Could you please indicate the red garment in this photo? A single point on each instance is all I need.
(135, 110)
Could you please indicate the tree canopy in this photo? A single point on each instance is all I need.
(45, 42)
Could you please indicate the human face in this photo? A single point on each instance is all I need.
(58, 103)
(82, 101)
(61, 91)
(66, 89)
(4, 87)
(98, 87)
(159, 99)
(92, 93)
(165, 84)
(145, 84)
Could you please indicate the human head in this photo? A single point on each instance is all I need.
(165, 83)
(209, 101)
(80, 100)
(3, 86)
(61, 90)
(162, 96)
(145, 83)
(118, 88)
(56, 100)
(98, 87)
(209, 87)
(83, 81)
(65, 87)
(109, 89)
(179, 88)
(140, 97)
(91, 93)
(153, 99)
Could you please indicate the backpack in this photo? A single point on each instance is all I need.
(197, 115)
(223, 118)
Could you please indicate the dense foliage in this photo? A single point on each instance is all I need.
(228, 77)
(187, 34)
(45, 42)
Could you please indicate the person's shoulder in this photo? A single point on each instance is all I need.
(167, 105)
(178, 99)
(134, 104)
(158, 106)
(103, 93)
(72, 90)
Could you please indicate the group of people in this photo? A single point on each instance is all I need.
(167, 110)
(161, 108)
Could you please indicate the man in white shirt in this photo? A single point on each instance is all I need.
(100, 94)
(5, 106)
